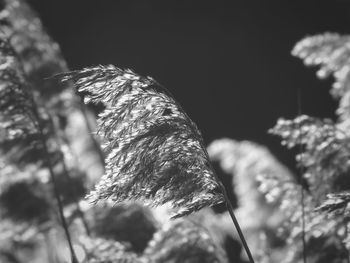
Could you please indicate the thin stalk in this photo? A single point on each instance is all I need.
(57, 196)
(234, 219)
(43, 139)
(222, 187)
(80, 212)
(61, 140)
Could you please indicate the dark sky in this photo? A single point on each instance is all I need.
(227, 62)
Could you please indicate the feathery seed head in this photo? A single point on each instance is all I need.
(155, 152)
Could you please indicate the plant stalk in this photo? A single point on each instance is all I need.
(80, 212)
(230, 211)
(38, 123)
(234, 220)
(58, 198)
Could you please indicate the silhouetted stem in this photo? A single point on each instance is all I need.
(80, 212)
(222, 187)
(43, 139)
(234, 219)
(61, 140)
(37, 121)
(58, 199)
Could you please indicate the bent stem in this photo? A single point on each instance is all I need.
(234, 219)
(58, 199)
(222, 187)
(76, 202)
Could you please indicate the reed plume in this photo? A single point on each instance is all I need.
(155, 152)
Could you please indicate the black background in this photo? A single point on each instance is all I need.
(227, 62)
